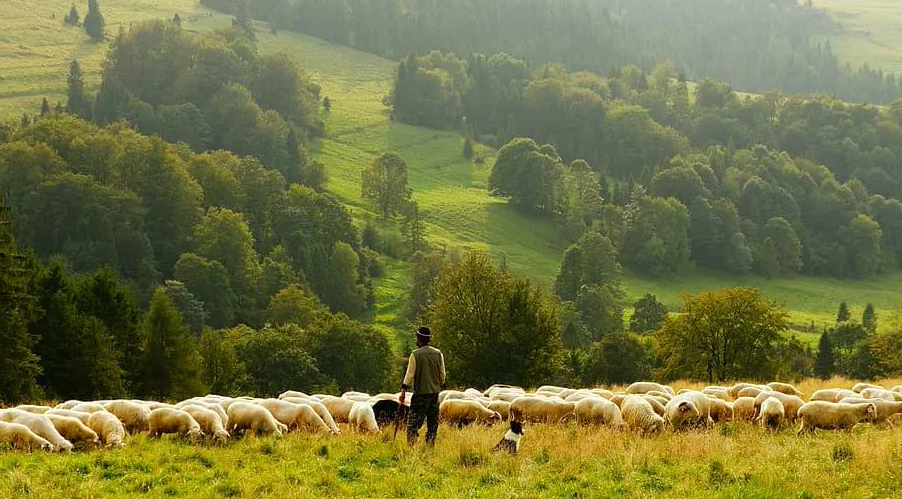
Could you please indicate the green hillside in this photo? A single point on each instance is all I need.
(871, 32)
(460, 212)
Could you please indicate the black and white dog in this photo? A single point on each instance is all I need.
(511, 440)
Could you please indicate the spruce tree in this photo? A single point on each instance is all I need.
(824, 364)
(94, 23)
(72, 17)
(468, 148)
(170, 364)
(843, 315)
(327, 103)
(869, 318)
(78, 104)
(19, 366)
(242, 19)
(177, 19)
(45, 107)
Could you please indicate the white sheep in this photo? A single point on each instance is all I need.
(647, 386)
(292, 393)
(658, 404)
(462, 412)
(36, 409)
(363, 418)
(791, 403)
(501, 407)
(772, 413)
(246, 416)
(885, 408)
(717, 393)
(861, 386)
(339, 408)
(295, 416)
(40, 425)
(655, 393)
(211, 403)
(751, 391)
(831, 394)
(598, 410)
(73, 429)
(785, 388)
(81, 416)
(69, 404)
(165, 420)
(721, 410)
(209, 420)
(833, 415)
(744, 409)
(534, 408)
(320, 409)
(21, 437)
(877, 393)
(108, 428)
(682, 411)
(88, 407)
(134, 416)
(638, 415)
(702, 403)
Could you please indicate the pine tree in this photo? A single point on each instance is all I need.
(468, 147)
(78, 104)
(72, 17)
(843, 315)
(177, 19)
(824, 364)
(412, 226)
(94, 23)
(170, 364)
(19, 366)
(327, 103)
(869, 318)
(45, 107)
(242, 19)
(25, 120)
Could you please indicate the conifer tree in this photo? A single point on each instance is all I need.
(94, 23)
(824, 363)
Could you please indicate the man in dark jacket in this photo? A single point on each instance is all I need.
(426, 375)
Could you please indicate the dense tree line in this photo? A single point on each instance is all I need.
(771, 184)
(756, 45)
(210, 91)
(860, 349)
(231, 230)
(85, 335)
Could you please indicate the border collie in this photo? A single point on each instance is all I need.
(511, 440)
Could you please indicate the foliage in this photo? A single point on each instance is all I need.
(352, 355)
(824, 365)
(171, 364)
(385, 183)
(275, 359)
(731, 333)
(648, 314)
(294, 304)
(94, 23)
(617, 359)
(494, 327)
(77, 102)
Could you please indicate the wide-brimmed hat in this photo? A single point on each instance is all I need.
(424, 332)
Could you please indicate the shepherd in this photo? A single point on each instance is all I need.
(426, 375)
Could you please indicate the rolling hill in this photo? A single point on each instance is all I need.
(35, 48)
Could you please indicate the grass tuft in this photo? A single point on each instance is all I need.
(842, 452)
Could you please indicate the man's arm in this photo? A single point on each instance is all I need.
(407, 383)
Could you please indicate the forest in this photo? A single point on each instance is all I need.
(756, 46)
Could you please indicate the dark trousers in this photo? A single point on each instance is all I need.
(423, 407)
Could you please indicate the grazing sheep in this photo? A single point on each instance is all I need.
(682, 411)
(648, 386)
(464, 412)
(656, 404)
(749, 391)
(735, 389)
(579, 395)
(501, 407)
(877, 393)
(744, 409)
(108, 428)
(21, 437)
(598, 410)
(339, 408)
(209, 422)
(69, 404)
(833, 415)
(655, 393)
(550, 388)
(831, 394)
(501, 388)
(165, 420)
(134, 416)
(861, 386)
(702, 402)
(35, 409)
(88, 407)
(454, 395)
(772, 413)
(207, 403)
(721, 411)
(156, 405)
(791, 403)
(785, 388)
(40, 425)
(320, 409)
(247, 416)
(885, 408)
(533, 408)
(506, 396)
(292, 393)
(606, 394)
(295, 416)
(638, 415)
(81, 416)
(73, 429)
(362, 417)
(718, 393)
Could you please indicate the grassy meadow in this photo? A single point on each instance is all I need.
(872, 31)
(732, 460)
(35, 49)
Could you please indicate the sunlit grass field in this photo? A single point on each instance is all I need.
(35, 49)
(872, 32)
(732, 460)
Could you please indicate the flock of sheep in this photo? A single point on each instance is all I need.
(646, 407)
